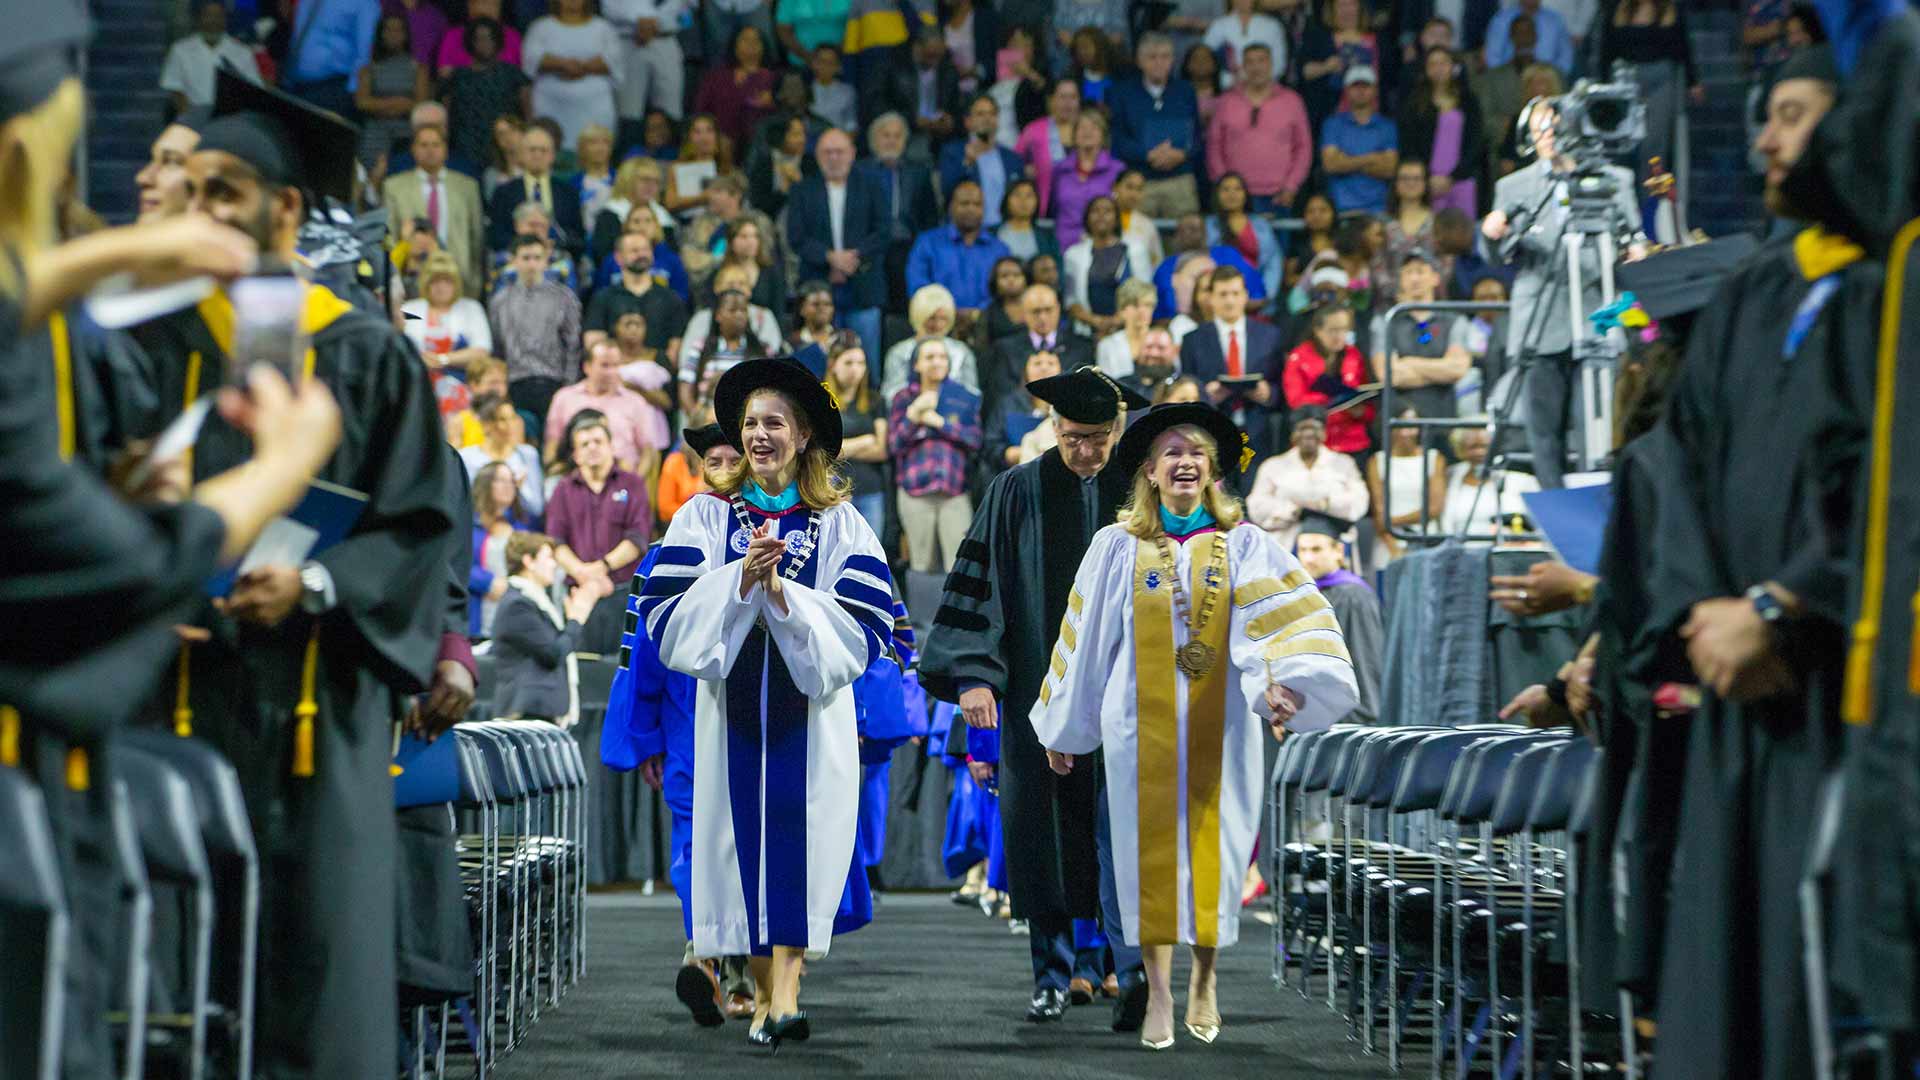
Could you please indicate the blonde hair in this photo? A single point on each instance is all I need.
(440, 264)
(1141, 515)
(627, 176)
(34, 151)
(593, 131)
(822, 485)
(927, 300)
(1134, 291)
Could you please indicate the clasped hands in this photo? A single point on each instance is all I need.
(763, 557)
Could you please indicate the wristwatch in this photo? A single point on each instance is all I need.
(1768, 605)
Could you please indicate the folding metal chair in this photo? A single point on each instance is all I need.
(176, 856)
(33, 934)
(234, 863)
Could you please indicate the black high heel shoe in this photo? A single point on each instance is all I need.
(759, 1037)
(790, 1028)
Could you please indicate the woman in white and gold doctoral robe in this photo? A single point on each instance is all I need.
(1184, 763)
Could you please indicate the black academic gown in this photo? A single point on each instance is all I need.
(1860, 170)
(327, 935)
(996, 625)
(1648, 580)
(1732, 991)
(1358, 611)
(90, 589)
(435, 954)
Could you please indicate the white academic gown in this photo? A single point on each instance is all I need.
(776, 785)
(1092, 701)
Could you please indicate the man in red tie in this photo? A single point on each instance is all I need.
(1237, 359)
(444, 197)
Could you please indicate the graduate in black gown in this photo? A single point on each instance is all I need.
(93, 580)
(1860, 168)
(988, 651)
(1322, 550)
(1757, 600)
(309, 666)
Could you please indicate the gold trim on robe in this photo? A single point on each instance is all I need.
(1255, 591)
(1263, 626)
(1157, 709)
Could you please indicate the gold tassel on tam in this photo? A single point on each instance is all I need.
(1913, 650)
(182, 705)
(308, 708)
(9, 736)
(79, 772)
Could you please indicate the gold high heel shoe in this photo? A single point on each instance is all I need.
(1164, 1044)
(1206, 1033)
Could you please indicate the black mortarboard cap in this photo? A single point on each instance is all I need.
(287, 141)
(703, 439)
(1813, 62)
(1086, 395)
(1316, 523)
(1679, 281)
(37, 53)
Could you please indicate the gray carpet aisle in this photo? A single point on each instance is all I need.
(928, 990)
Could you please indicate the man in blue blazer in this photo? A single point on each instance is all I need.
(837, 224)
(1156, 129)
(536, 184)
(1230, 347)
(979, 159)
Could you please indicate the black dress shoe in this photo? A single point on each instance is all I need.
(1130, 1009)
(699, 991)
(1048, 1004)
(792, 1028)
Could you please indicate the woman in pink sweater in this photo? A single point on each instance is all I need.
(1050, 138)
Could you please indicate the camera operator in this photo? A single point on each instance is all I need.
(1532, 205)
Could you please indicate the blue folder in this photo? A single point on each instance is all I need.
(1574, 521)
(327, 509)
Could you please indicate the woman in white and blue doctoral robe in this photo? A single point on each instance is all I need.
(1185, 623)
(771, 590)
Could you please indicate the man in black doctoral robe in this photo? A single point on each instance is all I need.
(1759, 610)
(308, 666)
(987, 652)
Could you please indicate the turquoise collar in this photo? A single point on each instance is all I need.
(1185, 524)
(772, 504)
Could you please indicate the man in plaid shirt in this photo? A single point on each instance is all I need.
(932, 441)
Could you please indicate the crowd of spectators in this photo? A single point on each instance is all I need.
(598, 208)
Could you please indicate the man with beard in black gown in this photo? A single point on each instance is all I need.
(307, 667)
(1755, 597)
(987, 652)
(1860, 167)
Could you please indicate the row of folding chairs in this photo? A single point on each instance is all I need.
(1426, 889)
(180, 876)
(520, 787)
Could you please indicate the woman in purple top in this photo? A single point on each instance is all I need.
(1085, 174)
(1440, 125)
(425, 22)
(739, 94)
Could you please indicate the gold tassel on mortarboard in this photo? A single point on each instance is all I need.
(9, 736)
(182, 704)
(309, 707)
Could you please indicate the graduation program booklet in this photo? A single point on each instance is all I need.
(957, 403)
(1574, 521)
(324, 517)
(1361, 396)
